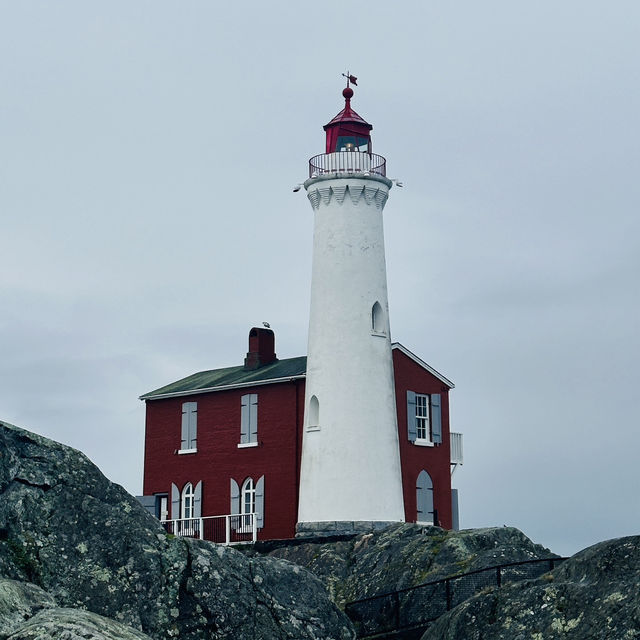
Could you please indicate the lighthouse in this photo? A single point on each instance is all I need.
(350, 468)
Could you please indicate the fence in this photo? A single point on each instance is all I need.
(228, 529)
(416, 607)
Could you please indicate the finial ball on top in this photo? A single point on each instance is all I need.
(347, 92)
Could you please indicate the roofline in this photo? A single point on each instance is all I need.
(225, 387)
(423, 364)
(256, 383)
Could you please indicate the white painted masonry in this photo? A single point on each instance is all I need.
(350, 468)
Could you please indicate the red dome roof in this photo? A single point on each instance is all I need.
(347, 123)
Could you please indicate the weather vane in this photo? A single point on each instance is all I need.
(350, 79)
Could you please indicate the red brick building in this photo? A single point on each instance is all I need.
(229, 441)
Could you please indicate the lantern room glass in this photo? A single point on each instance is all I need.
(352, 143)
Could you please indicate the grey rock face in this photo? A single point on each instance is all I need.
(73, 624)
(404, 555)
(593, 595)
(19, 601)
(65, 528)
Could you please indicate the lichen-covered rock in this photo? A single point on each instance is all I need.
(74, 624)
(19, 601)
(67, 529)
(593, 595)
(405, 555)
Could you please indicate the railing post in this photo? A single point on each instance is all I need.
(227, 529)
(254, 527)
(201, 529)
(397, 605)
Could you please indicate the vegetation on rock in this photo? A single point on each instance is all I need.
(90, 546)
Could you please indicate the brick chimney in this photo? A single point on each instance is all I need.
(262, 343)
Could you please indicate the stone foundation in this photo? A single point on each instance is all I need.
(339, 527)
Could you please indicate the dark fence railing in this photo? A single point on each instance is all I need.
(416, 607)
(347, 162)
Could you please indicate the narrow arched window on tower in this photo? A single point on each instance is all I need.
(377, 319)
(314, 413)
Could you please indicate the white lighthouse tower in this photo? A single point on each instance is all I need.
(350, 469)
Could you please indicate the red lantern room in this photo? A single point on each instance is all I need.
(348, 131)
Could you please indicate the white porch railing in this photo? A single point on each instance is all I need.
(456, 448)
(227, 529)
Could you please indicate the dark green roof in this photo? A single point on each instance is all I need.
(232, 376)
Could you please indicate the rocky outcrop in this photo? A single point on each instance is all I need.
(19, 601)
(406, 555)
(89, 545)
(74, 624)
(593, 595)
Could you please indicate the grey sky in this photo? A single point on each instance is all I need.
(148, 151)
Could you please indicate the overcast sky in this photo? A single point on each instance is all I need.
(148, 152)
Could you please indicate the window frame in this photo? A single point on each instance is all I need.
(424, 436)
(187, 502)
(248, 489)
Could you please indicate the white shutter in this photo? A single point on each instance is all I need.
(197, 501)
(235, 497)
(245, 402)
(260, 502)
(436, 418)
(411, 416)
(253, 418)
(175, 502)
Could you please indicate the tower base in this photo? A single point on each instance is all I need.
(339, 527)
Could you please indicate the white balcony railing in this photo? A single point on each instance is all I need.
(347, 162)
(227, 529)
(456, 448)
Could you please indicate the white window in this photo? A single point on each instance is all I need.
(377, 320)
(314, 414)
(189, 427)
(163, 508)
(247, 504)
(424, 418)
(423, 429)
(248, 497)
(249, 420)
(188, 498)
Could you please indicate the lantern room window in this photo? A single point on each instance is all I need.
(352, 143)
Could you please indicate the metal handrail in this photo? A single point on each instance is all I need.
(236, 527)
(392, 602)
(347, 162)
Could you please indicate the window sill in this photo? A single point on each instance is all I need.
(247, 445)
(182, 452)
(379, 334)
(423, 443)
(313, 428)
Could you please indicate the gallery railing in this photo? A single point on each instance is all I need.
(347, 162)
